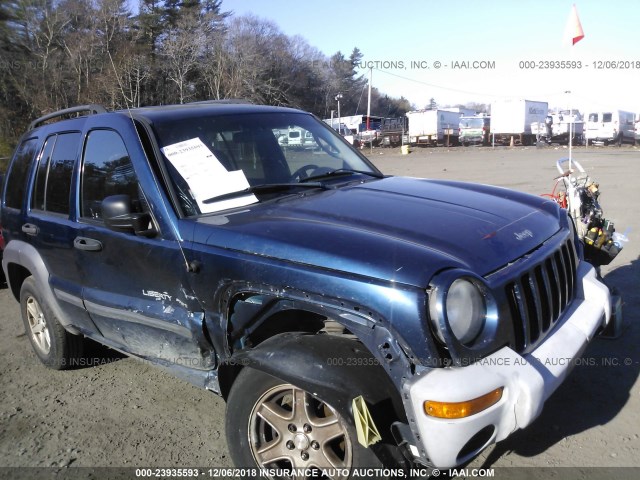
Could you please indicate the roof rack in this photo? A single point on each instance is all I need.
(92, 109)
(223, 101)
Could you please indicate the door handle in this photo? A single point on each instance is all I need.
(88, 244)
(30, 229)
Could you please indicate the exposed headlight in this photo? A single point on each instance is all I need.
(466, 310)
(458, 304)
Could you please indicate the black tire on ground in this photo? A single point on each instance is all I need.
(54, 346)
(266, 430)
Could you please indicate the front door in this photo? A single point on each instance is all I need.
(135, 287)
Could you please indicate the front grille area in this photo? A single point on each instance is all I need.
(539, 297)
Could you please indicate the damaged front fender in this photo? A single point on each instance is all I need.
(333, 368)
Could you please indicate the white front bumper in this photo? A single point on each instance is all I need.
(528, 380)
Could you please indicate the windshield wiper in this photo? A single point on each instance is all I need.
(342, 171)
(266, 188)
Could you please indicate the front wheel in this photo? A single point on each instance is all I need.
(272, 424)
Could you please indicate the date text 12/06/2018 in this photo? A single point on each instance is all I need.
(579, 65)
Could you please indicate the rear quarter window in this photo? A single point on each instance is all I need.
(18, 172)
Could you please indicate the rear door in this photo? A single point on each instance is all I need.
(609, 127)
(49, 226)
(593, 126)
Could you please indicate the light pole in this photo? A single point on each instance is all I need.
(568, 93)
(338, 97)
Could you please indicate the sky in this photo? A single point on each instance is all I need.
(487, 50)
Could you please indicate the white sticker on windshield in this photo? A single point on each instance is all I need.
(206, 176)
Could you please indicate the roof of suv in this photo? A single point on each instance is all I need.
(216, 107)
(205, 108)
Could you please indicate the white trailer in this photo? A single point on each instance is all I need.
(511, 120)
(558, 127)
(433, 127)
(352, 122)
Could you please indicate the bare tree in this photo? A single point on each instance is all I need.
(182, 48)
(80, 42)
(39, 80)
(64, 52)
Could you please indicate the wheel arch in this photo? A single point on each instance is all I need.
(329, 366)
(254, 315)
(23, 261)
(17, 274)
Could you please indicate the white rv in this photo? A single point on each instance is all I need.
(610, 126)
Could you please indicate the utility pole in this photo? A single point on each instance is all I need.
(369, 101)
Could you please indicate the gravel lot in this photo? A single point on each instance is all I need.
(125, 413)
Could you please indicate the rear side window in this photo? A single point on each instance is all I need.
(17, 176)
(37, 199)
(107, 171)
(606, 117)
(53, 179)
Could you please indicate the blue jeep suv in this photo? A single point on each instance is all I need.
(348, 318)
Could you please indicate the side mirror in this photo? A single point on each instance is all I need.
(117, 216)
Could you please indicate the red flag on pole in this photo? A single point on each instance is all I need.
(573, 32)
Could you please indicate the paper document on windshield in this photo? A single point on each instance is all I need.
(206, 176)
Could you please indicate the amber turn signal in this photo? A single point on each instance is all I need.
(462, 409)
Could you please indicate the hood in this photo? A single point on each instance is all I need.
(398, 229)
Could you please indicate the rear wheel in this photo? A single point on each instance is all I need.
(273, 424)
(54, 346)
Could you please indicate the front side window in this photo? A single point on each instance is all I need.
(107, 170)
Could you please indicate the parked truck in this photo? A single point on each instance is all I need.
(394, 131)
(610, 126)
(511, 120)
(433, 127)
(474, 130)
(559, 126)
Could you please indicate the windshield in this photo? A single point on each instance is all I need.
(216, 155)
(471, 122)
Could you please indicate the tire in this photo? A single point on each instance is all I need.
(318, 436)
(54, 346)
